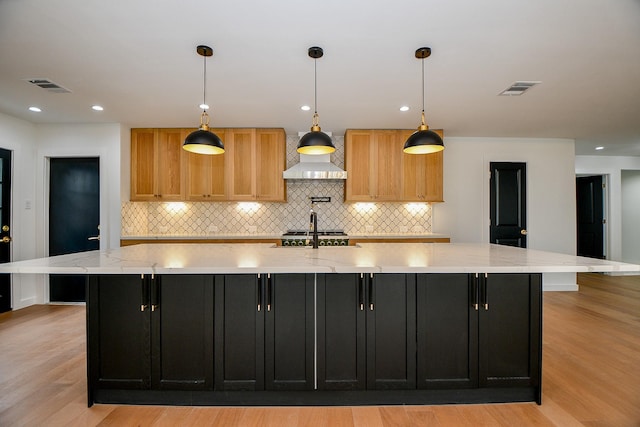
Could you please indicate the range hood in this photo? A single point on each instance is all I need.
(317, 166)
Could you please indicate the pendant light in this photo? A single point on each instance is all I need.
(203, 141)
(316, 141)
(423, 141)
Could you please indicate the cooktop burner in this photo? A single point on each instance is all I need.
(325, 237)
(320, 233)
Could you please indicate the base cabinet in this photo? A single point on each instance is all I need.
(150, 333)
(314, 339)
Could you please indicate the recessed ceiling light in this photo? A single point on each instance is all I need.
(599, 148)
(305, 108)
(404, 108)
(35, 109)
(97, 108)
(204, 106)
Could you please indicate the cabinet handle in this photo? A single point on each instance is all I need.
(154, 293)
(486, 292)
(371, 291)
(361, 291)
(475, 292)
(259, 293)
(144, 297)
(269, 292)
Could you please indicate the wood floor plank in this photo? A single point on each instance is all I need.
(591, 374)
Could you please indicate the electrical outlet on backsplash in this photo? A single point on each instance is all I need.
(199, 218)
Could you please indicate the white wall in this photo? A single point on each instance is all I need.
(97, 140)
(611, 166)
(20, 137)
(551, 205)
(631, 216)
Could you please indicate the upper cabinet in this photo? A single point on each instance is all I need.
(205, 175)
(157, 164)
(379, 171)
(257, 161)
(249, 170)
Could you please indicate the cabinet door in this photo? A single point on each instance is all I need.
(391, 332)
(289, 332)
(118, 333)
(205, 175)
(169, 164)
(421, 174)
(143, 164)
(242, 169)
(387, 165)
(359, 164)
(182, 332)
(270, 163)
(239, 332)
(341, 332)
(447, 331)
(510, 331)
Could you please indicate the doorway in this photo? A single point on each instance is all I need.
(590, 219)
(5, 227)
(508, 204)
(74, 219)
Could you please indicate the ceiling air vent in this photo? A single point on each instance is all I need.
(518, 88)
(48, 85)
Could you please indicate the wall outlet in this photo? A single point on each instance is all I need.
(253, 229)
(212, 229)
(404, 229)
(418, 229)
(163, 229)
(368, 228)
(129, 230)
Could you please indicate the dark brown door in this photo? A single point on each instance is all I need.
(508, 199)
(5, 227)
(74, 218)
(590, 216)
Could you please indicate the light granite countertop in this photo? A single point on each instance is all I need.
(201, 258)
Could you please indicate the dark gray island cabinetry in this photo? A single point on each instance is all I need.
(313, 338)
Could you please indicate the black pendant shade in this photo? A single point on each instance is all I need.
(423, 141)
(315, 141)
(203, 141)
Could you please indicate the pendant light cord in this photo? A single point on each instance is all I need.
(423, 91)
(315, 85)
(204, 85)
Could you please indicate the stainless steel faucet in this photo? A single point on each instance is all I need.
(313, 227)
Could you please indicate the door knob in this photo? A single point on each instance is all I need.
(94, 238)
(523, 232)
(6, 239)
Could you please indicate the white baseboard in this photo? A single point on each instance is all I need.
(560, 288)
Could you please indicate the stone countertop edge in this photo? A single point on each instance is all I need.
(252, 258)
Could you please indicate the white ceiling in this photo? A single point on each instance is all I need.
(138, 59)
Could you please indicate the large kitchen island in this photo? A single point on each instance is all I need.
(254, 324)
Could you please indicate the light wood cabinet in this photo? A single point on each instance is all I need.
(257, 160)
(378, 170)
(206, 175)
(421, 174)
(249, 170)
(156, 164)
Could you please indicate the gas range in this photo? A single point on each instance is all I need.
(325, 238)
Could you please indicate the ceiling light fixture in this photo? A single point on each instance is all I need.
(316, 141)
(404, 108)
(423, 141)
(599, 148)
(203, 141)
(305, 108)
(35, 109)
(97, 108)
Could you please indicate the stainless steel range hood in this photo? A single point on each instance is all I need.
(316, 166)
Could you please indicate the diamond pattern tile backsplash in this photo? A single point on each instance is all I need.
(211, 218)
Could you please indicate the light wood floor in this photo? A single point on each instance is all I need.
(591, 365)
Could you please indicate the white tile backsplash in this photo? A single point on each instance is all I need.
(210, 218)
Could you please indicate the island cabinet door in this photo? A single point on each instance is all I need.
(510, 330)
(239, 332)
(447, 331)
(289, 332)
(391, 331)
(341, 357)
(118, 333)
(182, 332)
